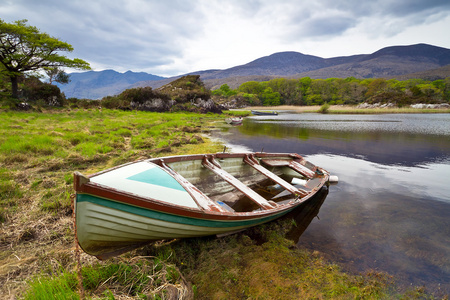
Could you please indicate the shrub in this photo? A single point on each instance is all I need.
(140, 95)
(324, 108)
(42, 93)
(114, 102)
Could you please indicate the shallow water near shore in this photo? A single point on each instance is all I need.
(390, 211)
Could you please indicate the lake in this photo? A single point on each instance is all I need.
(390, 211)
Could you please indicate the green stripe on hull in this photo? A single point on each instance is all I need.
(173, 218)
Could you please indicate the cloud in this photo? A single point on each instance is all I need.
(175, 36)
(414, 8)
(130, 34)
(324, 18)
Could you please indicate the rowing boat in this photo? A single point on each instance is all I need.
(234, 121)
(128, 206)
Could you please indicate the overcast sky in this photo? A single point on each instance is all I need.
(174, 37)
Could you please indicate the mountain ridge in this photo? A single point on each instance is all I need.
(388, 62)
(97, 84)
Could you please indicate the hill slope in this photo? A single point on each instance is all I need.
(387, 62)
(434, 74)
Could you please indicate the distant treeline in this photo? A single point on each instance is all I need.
(184, 94)
(307, 91)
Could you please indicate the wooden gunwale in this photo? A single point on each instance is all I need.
(179, 158)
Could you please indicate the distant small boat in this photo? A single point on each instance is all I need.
(234, 121)
(264, 113)
(128, 206)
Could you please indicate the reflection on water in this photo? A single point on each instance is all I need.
(388, 218)
(393, 123)
(391, 209)
(305, 213)
(385, 139)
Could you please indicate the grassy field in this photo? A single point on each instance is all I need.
(39, 151)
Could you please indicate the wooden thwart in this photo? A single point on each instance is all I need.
(289, 163)
(255, 197)
(251, 161)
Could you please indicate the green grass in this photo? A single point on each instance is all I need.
(35, 144)
(141, 279)
(88, 133)
(90, 149)
(124, 132)
(57, 287)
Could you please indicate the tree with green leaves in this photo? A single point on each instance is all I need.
(225, 91)
(24, 48)
(57, 75)
(270, 98)
(251, 87)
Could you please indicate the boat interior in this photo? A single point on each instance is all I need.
(246, 183)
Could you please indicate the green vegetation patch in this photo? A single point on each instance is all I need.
(38, 145)
(59, 287)
(261, 264)
(142, 279)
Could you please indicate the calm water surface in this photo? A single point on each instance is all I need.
(391, 209)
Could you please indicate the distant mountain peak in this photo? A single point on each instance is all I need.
(438, 54)
(286, 57)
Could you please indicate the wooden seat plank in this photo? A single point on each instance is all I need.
(301, 169)
(295, 165)
(255, 197)
(286, 185)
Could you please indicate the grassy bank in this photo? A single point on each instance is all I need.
(38, 258)
(39, 153)
(349, 109)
